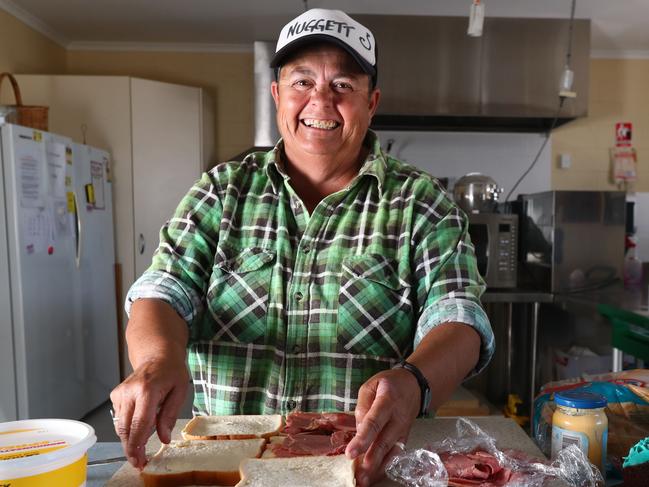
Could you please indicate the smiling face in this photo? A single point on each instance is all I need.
(324, 104)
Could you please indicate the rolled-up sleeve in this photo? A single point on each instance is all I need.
(161, 285)
(449, 285)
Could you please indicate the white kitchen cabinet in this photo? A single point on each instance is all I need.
(160, 136)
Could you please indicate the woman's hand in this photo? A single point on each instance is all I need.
(388, 403)
(150, 398)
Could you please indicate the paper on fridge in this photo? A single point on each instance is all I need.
(37, 228)
(31, 177)
(55, 154)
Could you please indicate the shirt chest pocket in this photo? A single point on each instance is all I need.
(375, 312)
(238, 294)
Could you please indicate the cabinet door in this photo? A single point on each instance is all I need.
(166, 157)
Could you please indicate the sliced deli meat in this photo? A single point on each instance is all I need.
(305, 444)
(314, 434)
(299, 422)
(475, 469)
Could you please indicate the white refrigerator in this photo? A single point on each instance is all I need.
(58, 316)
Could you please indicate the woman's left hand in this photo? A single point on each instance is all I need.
(388, 403)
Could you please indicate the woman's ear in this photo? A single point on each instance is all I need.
(375, 96)
(274, 90)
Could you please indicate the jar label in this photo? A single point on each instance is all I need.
(562, 438)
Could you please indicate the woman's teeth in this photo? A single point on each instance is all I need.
(320, 124)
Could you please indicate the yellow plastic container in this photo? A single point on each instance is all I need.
(44, 452)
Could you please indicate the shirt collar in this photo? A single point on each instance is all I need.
(275, 166)
(375, 163)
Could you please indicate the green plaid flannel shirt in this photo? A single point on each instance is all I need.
(288, 310)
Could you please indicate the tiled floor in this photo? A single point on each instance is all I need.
(101, 421)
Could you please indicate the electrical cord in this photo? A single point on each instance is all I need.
(548, 133)
(562, 99)
(570, 26)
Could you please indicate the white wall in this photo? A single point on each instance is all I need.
(503, 156)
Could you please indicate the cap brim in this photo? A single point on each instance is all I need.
(289, 49)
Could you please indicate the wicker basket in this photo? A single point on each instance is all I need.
(29, 116)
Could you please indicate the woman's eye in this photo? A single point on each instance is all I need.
(301, 83)
(343, 86)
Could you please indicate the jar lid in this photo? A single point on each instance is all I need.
(579, 399)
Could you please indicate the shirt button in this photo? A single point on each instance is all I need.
(298, 296)
(306, 249)
(297, 349)
(291, 404)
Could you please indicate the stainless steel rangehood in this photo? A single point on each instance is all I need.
(435, 77)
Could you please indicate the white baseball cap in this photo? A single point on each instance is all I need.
(335, 26)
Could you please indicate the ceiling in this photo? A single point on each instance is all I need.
(619, 28)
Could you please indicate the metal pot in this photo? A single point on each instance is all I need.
(476, 193)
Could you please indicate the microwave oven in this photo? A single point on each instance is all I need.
(572, 240)
(495, 238)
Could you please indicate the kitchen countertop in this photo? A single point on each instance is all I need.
(516, 295)
(507, 433)
(615, 295)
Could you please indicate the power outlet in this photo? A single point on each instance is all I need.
(565, 161)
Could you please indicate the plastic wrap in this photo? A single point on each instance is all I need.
(424, 467)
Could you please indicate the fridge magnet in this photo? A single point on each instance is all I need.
(72, 208)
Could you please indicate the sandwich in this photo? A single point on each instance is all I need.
(200, 462)
(233, 450)
(232, 427)
(312, 471)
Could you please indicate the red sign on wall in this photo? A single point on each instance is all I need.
(623, 133)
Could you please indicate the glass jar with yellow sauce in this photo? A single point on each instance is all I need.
(579, 419)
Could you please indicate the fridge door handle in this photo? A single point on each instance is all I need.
(141, 243)
(77, 229)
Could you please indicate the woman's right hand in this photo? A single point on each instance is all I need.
(151, 397)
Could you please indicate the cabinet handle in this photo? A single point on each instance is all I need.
(141, 244)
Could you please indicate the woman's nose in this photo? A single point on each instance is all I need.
(322, 94)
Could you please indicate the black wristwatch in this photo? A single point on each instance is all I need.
(423, 385)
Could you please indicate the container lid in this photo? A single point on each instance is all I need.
(579, 399)
(35, 443)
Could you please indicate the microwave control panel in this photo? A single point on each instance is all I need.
(506, 253)
(495, 239)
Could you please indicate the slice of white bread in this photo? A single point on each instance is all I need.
(232, 427)
(333, 471)
(200, 462)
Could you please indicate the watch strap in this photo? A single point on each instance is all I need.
(423, 385)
